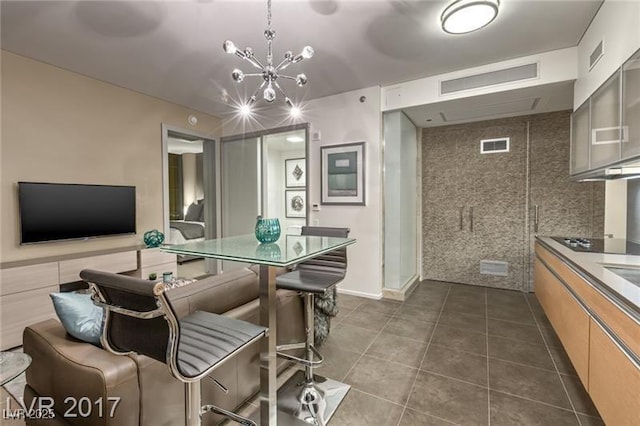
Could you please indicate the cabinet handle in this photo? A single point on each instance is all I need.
(616, 341)
(461, 218)
(471, 219)
(536, 218)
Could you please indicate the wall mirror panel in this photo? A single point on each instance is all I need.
(191, 208)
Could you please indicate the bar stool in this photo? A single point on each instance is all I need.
(140, 318)
(315, 276)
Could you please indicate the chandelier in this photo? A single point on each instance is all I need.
(268, 72)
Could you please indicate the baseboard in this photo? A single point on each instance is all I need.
(401, 293)
(359, 294)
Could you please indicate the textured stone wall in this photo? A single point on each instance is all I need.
(496, 194)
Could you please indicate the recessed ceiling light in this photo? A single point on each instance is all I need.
(295, 139)
(465, 16)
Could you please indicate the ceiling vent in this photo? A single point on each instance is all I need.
(487, 111)
(494, 267)
(595, 56)
(493, 146)
(507, 75)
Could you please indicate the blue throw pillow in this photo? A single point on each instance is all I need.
(79, 316)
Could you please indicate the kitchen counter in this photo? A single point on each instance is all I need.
(591, 266)
(596, 315)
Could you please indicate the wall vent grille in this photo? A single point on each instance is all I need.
(493, 146)
(507, 75)
(595, 56)
(494, 267)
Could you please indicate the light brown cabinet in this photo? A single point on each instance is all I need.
(25, 288)
(569, 319)
(614, 380)
(602, 341)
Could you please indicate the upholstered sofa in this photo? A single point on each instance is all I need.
(67, 369)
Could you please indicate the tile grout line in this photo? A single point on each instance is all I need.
(486, 311)
(575, 412)
(415, 379)
(369, 345)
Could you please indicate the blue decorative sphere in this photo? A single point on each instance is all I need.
(153, 238)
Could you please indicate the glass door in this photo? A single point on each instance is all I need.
(263, 174)
(241, 167)
(401, 201)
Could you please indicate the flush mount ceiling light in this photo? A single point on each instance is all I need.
(465, 16)
(268, 72)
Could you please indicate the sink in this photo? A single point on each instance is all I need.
(631, 274)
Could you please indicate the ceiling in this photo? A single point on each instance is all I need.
(512, 103)
(283, 141)
(173, 50)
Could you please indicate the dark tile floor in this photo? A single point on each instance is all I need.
(452, 354)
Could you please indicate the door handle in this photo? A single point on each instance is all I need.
(471, 219)
(461, 217)
(536, 218)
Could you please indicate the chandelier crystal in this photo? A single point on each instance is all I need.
(268, 72)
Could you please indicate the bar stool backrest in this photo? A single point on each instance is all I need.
(334, 262)
(142, 327)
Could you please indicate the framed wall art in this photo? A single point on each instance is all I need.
(342, 180)
(295, 173)
(295, 203)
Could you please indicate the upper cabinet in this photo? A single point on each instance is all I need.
(605, 129)
(605, 123)
(580, 131)
(631, 107)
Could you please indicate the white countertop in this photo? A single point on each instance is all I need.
(593, 265)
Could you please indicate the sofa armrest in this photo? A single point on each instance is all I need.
(67, 370)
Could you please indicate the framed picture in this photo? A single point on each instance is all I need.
(296, 245)
(295, 173)
(295, 203)
(342, 180)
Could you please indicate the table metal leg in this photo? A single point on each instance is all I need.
(268, 386)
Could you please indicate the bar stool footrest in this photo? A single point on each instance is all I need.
(228, 414)
(303, 361)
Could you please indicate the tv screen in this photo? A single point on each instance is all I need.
(58, 211)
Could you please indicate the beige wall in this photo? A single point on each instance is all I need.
(59, 126)
(338, 119)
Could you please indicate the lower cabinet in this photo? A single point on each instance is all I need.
(614, 380)
(24, 290)
(569, 319)
(592, 337)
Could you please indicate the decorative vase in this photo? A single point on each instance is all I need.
(268, 251)
(153, 238)
(267, 230)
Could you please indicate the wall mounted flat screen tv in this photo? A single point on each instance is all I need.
(58, 211)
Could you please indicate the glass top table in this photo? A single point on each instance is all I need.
(12, 364)
(287, 251)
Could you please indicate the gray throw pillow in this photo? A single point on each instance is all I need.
(193, 212)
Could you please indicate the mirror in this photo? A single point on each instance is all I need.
(189, 187)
